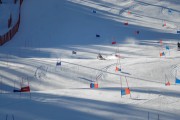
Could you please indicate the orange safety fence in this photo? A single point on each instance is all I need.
(9, 35)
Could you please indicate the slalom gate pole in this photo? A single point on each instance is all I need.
(127, 85)
(121, 85)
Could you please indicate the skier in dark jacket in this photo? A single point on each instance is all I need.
(178, 45)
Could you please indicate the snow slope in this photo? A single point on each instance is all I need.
(52, 30)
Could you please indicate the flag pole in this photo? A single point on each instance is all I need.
(127, 85)
(121, 86)
(165, 79)
(29, 87)
(175, 76)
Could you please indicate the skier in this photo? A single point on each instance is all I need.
(178, 45)
(100, 57)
